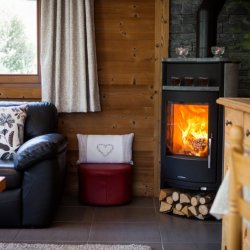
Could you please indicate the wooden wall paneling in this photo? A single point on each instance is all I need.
(125, 39)
(20, 91)
(131, 39)
(130, 27)
(161, 50)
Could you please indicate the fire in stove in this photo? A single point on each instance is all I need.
(188, 127)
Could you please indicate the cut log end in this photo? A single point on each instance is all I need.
(204, 209)
(176, 196)
(165, 207)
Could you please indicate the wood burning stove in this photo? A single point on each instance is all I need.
(192, 122)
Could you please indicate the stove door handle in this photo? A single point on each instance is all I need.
(209, 152)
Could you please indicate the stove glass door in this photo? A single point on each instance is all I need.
(191, 145)
(187, 129)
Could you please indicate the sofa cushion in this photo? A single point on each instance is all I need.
(13, 177)
(41, 118)
(11, 130)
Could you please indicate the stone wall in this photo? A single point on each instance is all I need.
(230, 33)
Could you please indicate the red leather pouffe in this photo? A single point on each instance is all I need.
(105, 183)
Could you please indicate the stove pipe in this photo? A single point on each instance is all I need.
(207, 26)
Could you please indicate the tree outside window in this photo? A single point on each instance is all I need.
(18, 37)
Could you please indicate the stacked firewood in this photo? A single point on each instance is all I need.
(186, 204)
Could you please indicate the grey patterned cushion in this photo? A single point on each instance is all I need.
(11, 130)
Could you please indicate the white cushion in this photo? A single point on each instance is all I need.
(11, 130)
(105, 148)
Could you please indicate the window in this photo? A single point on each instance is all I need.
(19, 41)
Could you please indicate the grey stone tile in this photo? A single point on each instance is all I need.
(125, 214)
(125, 232)
(58, 233)
(75, 214)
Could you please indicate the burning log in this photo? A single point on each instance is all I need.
(198, 144)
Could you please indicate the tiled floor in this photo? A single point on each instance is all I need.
(138, 222)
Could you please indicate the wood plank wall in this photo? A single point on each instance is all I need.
(132, 38)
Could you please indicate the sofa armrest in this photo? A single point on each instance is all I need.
(39, 148)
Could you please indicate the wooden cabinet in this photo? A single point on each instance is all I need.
(236, 112)
(232, 117)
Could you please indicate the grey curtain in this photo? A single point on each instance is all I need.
(68, 55)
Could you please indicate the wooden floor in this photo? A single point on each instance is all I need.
(138, 222)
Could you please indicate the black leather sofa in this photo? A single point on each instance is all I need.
(35, 177)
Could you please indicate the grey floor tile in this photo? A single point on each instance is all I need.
(70, 200)
(157, 203)
(179, 246)
(125, 214)
(58, 233)
(125, 232)
(8, 235)
(207, 232)
(209, 246)
(141, 202)
(155, 246)
(138, 222)
(178, 229)
(80, 214)
(190, 246)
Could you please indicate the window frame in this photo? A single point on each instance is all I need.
(27, 78)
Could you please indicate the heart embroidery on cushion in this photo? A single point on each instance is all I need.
(105, 149)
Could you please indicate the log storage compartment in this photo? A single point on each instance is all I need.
(187, 204)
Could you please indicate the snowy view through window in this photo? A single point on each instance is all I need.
(18, 37)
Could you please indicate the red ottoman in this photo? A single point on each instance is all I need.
(105, 183)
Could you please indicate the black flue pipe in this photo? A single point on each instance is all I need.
(207, 16)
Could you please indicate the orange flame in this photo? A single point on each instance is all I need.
(190, 133)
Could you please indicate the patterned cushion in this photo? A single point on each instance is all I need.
(11, 130)
(105, 148)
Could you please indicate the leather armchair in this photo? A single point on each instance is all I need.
(35, 176)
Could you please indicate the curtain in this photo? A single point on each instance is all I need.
(68, 55)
